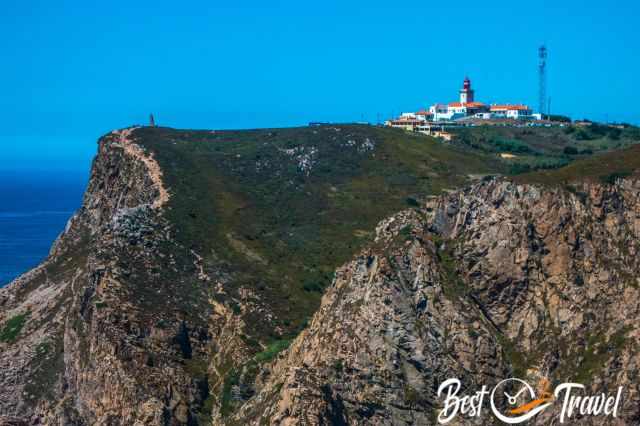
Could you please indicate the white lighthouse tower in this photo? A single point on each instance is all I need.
(466, 93)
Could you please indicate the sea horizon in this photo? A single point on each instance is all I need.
(34, 209)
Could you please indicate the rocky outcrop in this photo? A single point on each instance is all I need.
(105, 333)
(124, 324)
(496, 281)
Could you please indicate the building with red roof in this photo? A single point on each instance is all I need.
(466, 107)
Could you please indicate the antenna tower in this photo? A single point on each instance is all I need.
(542, 79)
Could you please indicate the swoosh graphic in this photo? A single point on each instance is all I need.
(530, 405)
(523, 418)
(534, 410)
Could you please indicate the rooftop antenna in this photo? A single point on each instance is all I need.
(542, 79)
(152, 121)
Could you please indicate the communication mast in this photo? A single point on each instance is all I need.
(542, 79)
(152, 121)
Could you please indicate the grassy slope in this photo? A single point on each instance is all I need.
(239, 200)
(242, 202)
(544, 148)
(604, 168)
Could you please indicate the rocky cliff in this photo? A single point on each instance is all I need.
(499, 280)
(172, 295)
(110, 327)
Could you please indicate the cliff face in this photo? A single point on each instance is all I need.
(149, 309)
(107, 329)
(496, 281)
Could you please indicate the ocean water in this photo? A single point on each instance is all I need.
(34, 209)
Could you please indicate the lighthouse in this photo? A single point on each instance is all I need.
(466, 93)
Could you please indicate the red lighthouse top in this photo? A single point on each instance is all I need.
(467, 83)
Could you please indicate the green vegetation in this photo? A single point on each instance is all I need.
(453, 286)
(241, 200)
(246, 203)
(557, 117)
(244, 375)
(12, 328)
(519, 360)
(529, 149)
(279, 209)
(611, 178)
(412, 202)
(604, 168)
(405, 233)
(46, 367)
(583, 360)
(272, 350)
(230, 380)
(514, 146)
(197, 368)
(204, 415)
(411, 396)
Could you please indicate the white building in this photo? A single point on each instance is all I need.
(440, 112)
(424, 115)
(406, 122)
(515, 112)
(466, 107)
(466, 93)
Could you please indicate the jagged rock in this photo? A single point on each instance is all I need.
(480, 285)
(91, 350)
(124, 325)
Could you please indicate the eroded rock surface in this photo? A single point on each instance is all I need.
(124, 325)
(495, 281)
(109, 333)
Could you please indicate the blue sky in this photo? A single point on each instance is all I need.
(73, 70)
